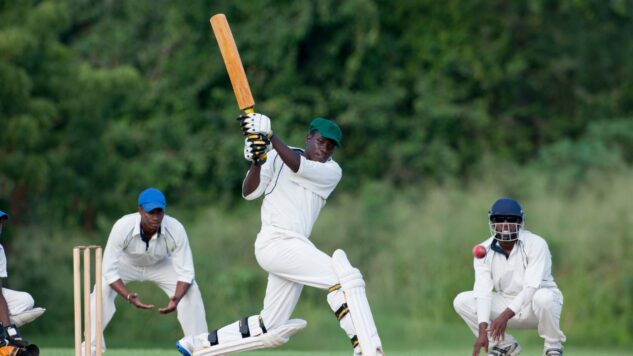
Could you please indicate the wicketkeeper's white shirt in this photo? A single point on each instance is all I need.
(528, 268)
(292, 201)
(126, 246)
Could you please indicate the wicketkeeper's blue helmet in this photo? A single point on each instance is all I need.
(506, 219)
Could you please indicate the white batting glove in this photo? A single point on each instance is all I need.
(256, 124)
(256, 148)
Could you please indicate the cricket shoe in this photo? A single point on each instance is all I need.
(554, 352)
(188, 344)
(512, 349)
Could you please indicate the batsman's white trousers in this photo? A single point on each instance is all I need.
(191, 313)
(291, 263)
(543, 314)
(18, 302)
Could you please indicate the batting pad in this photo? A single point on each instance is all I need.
(273, 338)
(26, 317)
(353, 286)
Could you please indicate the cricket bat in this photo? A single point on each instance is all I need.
(233, 63)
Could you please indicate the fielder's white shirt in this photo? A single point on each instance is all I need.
(528, 268)
(3, 263)
(126, 246)
(293, 201)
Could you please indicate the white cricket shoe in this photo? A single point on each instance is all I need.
(188, 344)
(554, 352)
(512, 349)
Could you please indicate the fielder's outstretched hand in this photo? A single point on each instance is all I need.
(171, 306)
(134, 299)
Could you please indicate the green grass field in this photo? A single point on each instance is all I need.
(420, 352)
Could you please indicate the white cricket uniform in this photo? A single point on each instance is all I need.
(18, 302)
(165, 260)
(522, 282)
(292, 203)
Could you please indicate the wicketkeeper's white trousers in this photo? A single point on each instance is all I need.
(543, 314)
(191, 313)
(18, 302)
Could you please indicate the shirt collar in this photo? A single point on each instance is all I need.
(495, 245)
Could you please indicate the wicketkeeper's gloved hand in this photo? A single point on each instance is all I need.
(11, 336)
(256, 148)
(255, 124)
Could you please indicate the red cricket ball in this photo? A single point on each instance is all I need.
(479, 251)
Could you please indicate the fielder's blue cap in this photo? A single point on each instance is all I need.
(152, 198)
(3, 215)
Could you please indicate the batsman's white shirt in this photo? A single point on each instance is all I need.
(126, 246)
(293, 201)
(528, 268)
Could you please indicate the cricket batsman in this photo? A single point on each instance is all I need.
(514, 287)
(295, 184)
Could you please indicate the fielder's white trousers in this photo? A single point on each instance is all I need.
(191, 313)
(543, 314)
(18, 302)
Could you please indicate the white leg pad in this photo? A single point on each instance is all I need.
(273, 338)
(26, 316)
(353, 285)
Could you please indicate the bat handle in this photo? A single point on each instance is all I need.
(249, 110)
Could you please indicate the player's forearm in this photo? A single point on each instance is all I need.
(251, 182)
(181, 290)
(119, 287)
(291, 158)
(4, 311)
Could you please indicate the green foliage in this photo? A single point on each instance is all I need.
(112, 97)
(441, 111)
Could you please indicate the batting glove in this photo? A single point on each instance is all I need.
(256, 148)
(255, 124)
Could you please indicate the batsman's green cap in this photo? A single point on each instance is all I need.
(152, 198)
(328, 129)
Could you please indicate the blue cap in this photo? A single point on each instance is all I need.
(152, 198)
(3, 215)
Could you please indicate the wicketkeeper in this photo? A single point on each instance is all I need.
(16, 309)
(295, 184)
(514, 287)
(150, 246)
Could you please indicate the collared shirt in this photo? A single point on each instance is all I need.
(527, 268)
(125, 245)
(293, 201)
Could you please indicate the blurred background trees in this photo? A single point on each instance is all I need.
(100, 99)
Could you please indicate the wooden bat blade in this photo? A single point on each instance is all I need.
(232, 61)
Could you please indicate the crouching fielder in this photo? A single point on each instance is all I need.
(518, 267)
(295, 184)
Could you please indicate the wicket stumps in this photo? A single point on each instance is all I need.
(86, 289)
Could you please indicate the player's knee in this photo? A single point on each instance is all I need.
(542, 299)
(462, 301)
